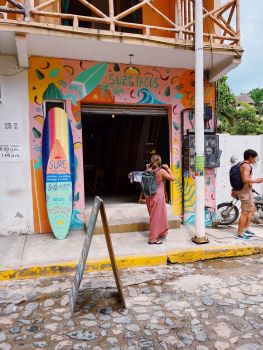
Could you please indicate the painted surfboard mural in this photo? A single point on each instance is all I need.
(57, 131)
(59, 191)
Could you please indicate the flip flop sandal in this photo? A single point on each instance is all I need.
(156, 242)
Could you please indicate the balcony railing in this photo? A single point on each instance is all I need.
(142, 18)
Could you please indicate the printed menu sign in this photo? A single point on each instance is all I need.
(10, 153)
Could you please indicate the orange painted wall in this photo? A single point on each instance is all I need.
(208, 24)
(168, 9)
(150, 17)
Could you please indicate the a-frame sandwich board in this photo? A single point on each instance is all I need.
(98, 205)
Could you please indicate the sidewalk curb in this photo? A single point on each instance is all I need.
(212, 252)
(129, 261)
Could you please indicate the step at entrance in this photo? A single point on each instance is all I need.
(129, 217)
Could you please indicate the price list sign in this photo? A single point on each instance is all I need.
(10, 153)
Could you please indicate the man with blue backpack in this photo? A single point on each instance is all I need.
(241, 182)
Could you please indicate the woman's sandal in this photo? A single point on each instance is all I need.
(156, 242)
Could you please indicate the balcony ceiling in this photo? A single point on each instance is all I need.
(218, 59)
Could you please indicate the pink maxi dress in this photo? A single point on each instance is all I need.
(156, 206)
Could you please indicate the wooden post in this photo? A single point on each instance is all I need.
(111, 15)
(27, 10)
(148, 31)
(189, 16)
(111, 252)
(75, 22)
(179, 18)
(238, 20)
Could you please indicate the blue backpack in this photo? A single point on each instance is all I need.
(235, 177)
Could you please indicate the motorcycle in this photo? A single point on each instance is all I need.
(228, 213)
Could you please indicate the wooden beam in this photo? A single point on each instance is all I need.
(223, 7)
(11, 10)
(70, 16)
(226, 7)
(22, 49)
(16, 4)
(227, 23)
(93, 8)
(131, 10)
(162, 15)
(221, 25)
(44, 5)
(144, 26)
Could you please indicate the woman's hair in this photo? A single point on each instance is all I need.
(156, 161)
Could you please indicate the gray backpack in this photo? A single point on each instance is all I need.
(148, 183)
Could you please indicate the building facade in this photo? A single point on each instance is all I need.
(124, 75)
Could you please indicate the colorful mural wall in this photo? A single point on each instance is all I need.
(79, 82)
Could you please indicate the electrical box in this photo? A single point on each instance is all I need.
(211, 150)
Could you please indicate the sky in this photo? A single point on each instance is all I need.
(249, 74)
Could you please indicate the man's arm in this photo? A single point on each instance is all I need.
(246, 177)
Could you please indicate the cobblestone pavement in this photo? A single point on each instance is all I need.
(216, 304)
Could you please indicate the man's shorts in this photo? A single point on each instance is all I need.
(247, 201)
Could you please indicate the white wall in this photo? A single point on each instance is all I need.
(235, 146)
(16, 216)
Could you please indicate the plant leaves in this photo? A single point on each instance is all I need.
(88, 80)
(36, 133)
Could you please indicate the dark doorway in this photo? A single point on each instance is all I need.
(114, 145)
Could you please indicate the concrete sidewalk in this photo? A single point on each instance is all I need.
(41, 255)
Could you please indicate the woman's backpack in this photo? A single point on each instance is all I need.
(148, 183)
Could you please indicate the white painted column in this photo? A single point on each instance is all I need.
(200, 236)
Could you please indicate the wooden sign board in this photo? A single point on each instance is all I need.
(98, 205)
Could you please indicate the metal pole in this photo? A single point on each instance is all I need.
(200, 236)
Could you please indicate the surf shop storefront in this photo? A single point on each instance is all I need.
(122, 137)
(112, 112)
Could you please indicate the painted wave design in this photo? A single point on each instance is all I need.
(76, 222)
(148, 97)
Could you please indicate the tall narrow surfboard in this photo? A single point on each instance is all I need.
(59, 191)
(58, 170)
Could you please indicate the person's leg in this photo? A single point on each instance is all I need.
(249, 217)
(242, 222)
(252, 210)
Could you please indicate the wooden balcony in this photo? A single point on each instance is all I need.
(156, 20)
(157, 32)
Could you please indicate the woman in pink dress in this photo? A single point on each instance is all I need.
(156, 204)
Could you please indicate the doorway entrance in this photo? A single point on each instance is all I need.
(118, 140)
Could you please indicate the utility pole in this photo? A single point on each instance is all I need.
(199, 162)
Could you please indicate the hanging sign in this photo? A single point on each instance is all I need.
(199, 163)
(10, 153)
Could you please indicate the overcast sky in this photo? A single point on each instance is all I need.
(249, 74)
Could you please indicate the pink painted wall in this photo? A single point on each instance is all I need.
(84, 81)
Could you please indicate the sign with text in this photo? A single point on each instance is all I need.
(10, 153)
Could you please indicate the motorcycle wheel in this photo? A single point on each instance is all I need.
(227, 214)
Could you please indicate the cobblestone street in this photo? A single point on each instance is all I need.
(216, 304)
